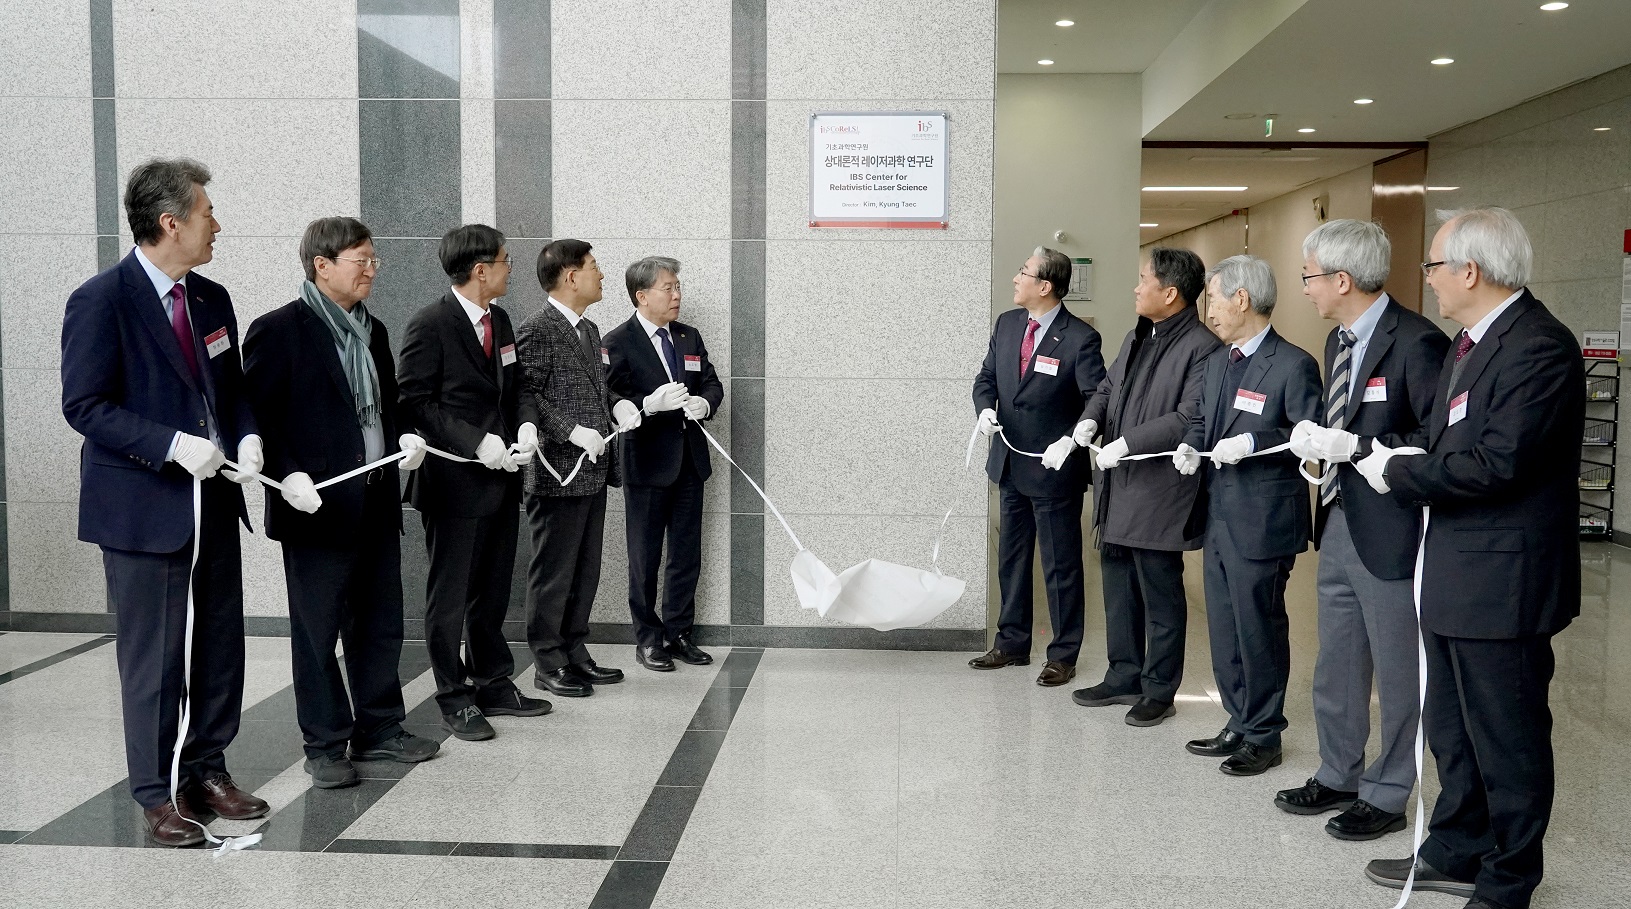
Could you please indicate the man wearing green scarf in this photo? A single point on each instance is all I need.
(320, 370)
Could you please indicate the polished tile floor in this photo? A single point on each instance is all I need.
(785, 778)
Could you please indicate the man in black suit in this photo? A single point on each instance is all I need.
(1500, 561)
(151, 378)
(1146, 515)
(322, 380)
(1257, 517)
(563, 380)
(661, 366)
(1042, 365)
(1382, 365)
(461, 388)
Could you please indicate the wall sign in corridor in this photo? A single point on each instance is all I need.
(879, 169)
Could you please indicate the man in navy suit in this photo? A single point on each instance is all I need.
(1257, 513)
(660, 365)
(1500, 562)
(151, 377)
(1042, 366)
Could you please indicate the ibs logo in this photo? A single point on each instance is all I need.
(923, 131)
(842, 130)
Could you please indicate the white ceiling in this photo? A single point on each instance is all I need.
(1110, 36)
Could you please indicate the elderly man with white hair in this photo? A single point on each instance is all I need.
(1500, 561)
(1257, 508)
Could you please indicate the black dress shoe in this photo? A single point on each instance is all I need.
(1479, 902)
(468, 724)
(1102, 695)
(1314, 797)
(331, 771)
(595, 675)
(1223, 744)
(1055, 673)
(1251, 760)
(687, 652)
(513, 703)
(1364, 821)
(563, 682)
(404, 748)
(996, 659)
(1150, 712)
(1392, 873)
(653, 658)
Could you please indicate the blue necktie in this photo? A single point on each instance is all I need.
(669, 355)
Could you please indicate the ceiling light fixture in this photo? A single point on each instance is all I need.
(1065, 23)
(1442, 189)
(1195, 189)
(1363, 101)
(1553, 7)
(1442, 61)
(1306, 129)
(1044, 62)
(1601, 129)
(1240, 116)
(1147, 224)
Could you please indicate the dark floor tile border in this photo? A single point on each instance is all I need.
(8, 837)
(53, 659)
(391, 847)
(536, 850)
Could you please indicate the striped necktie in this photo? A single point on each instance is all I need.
(1336, 396)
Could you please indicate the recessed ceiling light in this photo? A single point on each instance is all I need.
(1553, 7)
(1147, 224)
(1044, 62)
(1601, 129)
(1443, 61)
(1442, 189)
(1240, 116)
(1363, 101)
(1194, 189)
(1064, 23)
(1306, 129)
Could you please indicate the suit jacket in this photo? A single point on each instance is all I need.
(1405, 351)
(453, 396)
(1262, 502)
(566, 388)
(1039, 408)
(1149, 397)
(652, 454)
(309, 421)
(127, 390)
(1502, 553)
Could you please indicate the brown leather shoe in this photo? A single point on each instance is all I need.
(229, 802)
(168, 828)
(1056, 673)
(996, 659)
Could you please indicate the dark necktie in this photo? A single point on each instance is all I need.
(1232, 374)
(183, 327)
(1028, 347)
(1463, 346)
(588, 344)
(487, 334)
(669, 355)
(1336, 397)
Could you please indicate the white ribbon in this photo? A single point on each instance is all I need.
(1421, 713)
(968, 456)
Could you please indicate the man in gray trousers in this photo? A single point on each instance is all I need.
(1382, 366)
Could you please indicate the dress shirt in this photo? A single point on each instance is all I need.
(1246, 350)
(1362, 329)
(474, 314)
(1477, 331)
(162, 284)
(656, 342)
(571, 316)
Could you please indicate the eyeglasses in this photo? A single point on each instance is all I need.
(1427, 268)
(374, 262)
(1031, 276)
(1323, 274)
(506, 262)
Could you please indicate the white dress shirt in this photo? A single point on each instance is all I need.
(474, 314)
(162, 284)
(571, 316)
(1251, 345)
(1478, 331)
(656, 342)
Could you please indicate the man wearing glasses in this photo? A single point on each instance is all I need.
(322, 381)
(461, 386)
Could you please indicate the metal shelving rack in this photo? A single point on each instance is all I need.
(1598, 449)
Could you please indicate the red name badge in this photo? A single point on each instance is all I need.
(217, 342)
(693, 363)
(1458, 409)
(506, 355)
(1375, 390)
(1250, 401)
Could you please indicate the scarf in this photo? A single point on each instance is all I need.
(352, 332)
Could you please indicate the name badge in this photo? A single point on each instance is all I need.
(1458, 409)
(1375, 390)
(1048, 366)
(1250, 401)
(217, 342)
(506, 355)
(693, 363)
(605, 357)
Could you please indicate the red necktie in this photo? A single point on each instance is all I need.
(183, 328)
(487, 334)
(1463, 346)
(1028, 346)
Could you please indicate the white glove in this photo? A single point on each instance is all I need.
(1302, 440)
(1334, 445)
(415, 447)
(301, 493)
(627, 416)
(1054, 457)
(666, 397)
(1111, 455)
(988, 422)
(1085, 431)
(697, 408)
(1373, 466)
(251, 457)
(494, 454)
(588, 440)
(198, 455)
(1232, 449)
(526, 440)
(1187, 459)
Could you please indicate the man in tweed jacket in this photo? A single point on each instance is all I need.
(563, 376)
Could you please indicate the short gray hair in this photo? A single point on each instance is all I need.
(159, 187)
(1247, 272)
(1360, 248)
(1055, 269)
(1494, 240)
(643, 275)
